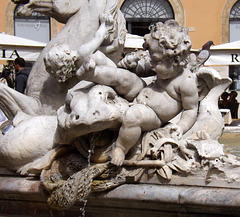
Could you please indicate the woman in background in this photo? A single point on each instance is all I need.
(6, 78)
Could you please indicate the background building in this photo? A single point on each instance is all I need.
(216, 20)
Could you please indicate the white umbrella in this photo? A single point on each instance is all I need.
(13, 46)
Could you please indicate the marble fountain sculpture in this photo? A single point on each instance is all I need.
(89, 122)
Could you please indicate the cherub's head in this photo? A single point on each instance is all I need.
(169, 46)
(60, 62)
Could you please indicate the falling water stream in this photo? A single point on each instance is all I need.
(86, 180)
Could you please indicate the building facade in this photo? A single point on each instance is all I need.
(216, 20)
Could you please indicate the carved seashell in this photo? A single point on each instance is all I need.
(171, 165)
(156, 141)
(168, 153)
(165, 172)
(151, 171)
(180, 164)
(162, 155)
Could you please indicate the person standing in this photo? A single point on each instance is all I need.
(223, 101)
(6, 78)
(233, 104)
(21, 75)
(4, 75)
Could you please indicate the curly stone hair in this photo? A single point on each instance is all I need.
(60, 63)
(174, 41)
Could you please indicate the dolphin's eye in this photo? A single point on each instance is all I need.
(67, 108)
(68, 100)
(110, 98)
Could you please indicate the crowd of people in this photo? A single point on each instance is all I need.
(19, 81)
(229, 101)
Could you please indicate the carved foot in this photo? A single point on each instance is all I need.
(118, 156)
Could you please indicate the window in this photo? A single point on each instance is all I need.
(234, 22)
(36, 27)
(139, 14)
(234, 35)
(234, 74)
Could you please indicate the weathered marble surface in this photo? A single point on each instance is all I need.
(81, 26)
(23, 196)
(90, 122)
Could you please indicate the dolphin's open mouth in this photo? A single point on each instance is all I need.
(20, 1)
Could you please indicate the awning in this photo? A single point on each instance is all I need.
(13, 46)
(228, 46)
(225, 54)
(133, 42)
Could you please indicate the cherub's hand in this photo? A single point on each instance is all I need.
(175, 131)
(86, 68)
(108, 21)
(129, 61)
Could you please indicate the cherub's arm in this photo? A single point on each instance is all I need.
(189, 97)
(91, 46)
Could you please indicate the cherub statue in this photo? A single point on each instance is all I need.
(61, 62)
(131, 108)
(81, 25)
(175, 89)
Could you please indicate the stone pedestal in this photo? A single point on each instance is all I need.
(22, 197)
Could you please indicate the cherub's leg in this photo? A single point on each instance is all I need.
(12, 101)
(137, 119)
(123, 81)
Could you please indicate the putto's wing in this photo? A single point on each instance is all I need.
(208, 79)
